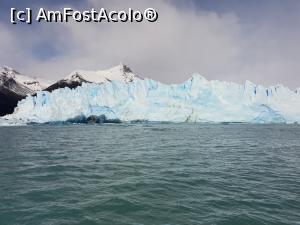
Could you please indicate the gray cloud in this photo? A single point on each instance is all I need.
(184, 40)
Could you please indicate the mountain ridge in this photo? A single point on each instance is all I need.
(76, 78)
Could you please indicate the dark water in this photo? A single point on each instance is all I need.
(150, 174)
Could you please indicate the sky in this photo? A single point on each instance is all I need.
(231, 40)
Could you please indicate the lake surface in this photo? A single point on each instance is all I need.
(150, 174)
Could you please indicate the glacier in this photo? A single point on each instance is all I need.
(196, 100)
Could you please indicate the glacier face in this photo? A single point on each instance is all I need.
(196, 100)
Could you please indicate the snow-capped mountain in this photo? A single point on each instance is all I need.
(19, 83)
(14, 87)
(196, 100)
(76, 78)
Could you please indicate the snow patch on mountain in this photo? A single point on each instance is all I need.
(31, 84)
(119, 73)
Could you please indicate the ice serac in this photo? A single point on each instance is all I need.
(14, 87)
(196, 100)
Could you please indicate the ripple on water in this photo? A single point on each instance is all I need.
(150, 174)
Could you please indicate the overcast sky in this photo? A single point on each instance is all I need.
(232, 40)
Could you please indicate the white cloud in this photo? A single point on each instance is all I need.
(182, 41)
